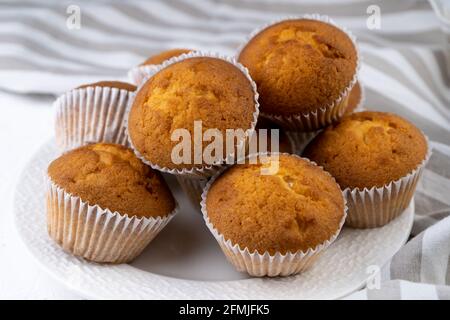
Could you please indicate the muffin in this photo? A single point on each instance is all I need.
(355, 99)
(277, 224)
(304, 69)
(201, 93)
(92, 113)
(140, 72)
(301, 139)
(104, 204)
(377, 159)
(202, 88)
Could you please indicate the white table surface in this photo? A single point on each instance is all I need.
(25, 123)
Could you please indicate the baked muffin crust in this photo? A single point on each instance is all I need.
(165, 55)
(110, 84)
(298, 208)
(299, 65)
(111, 176)
(367, 149)
(200, 88)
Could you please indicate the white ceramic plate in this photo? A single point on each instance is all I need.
(185, 262)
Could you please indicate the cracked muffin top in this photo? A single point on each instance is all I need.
(298, 208)
(354, 98)
(165, 55)
(299, 65)
(111, 176)
(204, 89)
(367, 149)
(110, 84)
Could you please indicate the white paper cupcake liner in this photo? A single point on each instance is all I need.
(374, 207)
(97, 234)
(193, 188)
(264, 264)
(300, 140)
(203, 171)
(324, 115)
(312, 121)
(138, 74)
(91, 114)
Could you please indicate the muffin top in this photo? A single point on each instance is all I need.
(367, 149)
(299, 65)
(204, 89)
(110, 84)
(165, 55)
(111, 176)
(297, 208)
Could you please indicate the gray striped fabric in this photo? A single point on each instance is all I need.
(405, 70)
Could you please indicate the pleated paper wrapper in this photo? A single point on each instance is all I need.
(323, 115)
(97, 234)
(265, 264)
(377, 206)
(91, 115)
(300, 139)
(139, 74)
(194, 179)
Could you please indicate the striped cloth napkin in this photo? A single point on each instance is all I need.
(47, 48)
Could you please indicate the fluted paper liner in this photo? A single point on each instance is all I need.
(98, 234)
(91, 114)
(139, 73)
(192, 187)
(264, 264)
(374, 207)
(192, 180)
(324, 115)
(204, 171)
(300, 140)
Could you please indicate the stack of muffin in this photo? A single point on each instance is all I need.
(107, 200)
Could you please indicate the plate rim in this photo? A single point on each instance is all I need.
(47, 268)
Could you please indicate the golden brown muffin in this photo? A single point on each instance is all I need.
(367, 149)
(110, 84)
(285, 145)
(354, 98)
(299, 65)
(165, 55)
(296, 209)
(201, 88)
(111, 176)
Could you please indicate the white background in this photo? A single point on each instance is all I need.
(25, 123)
